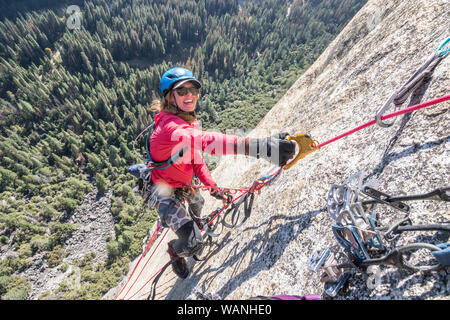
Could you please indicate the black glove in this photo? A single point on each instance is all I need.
(275, 149)
(219, 194)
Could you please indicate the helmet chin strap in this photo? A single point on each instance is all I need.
(174, 104)
(178, 108)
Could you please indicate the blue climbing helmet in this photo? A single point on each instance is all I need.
(176, 77)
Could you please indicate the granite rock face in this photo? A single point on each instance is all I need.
(376, 53)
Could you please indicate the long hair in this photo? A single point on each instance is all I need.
(165, 105)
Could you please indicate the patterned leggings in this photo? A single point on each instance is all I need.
(172, 211)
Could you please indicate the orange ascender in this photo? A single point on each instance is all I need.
(306, 145)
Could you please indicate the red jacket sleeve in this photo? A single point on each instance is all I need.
(201, 170)
(215, 143)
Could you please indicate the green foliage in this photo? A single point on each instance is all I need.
(40, 243)
(56, 256)
(25, 251)
(60, 232)
(101, 183)
(65, 204)
(113, 249)
(10, 265)
(14, 288)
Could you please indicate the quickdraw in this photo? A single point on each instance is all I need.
(361, 238)
(416, 80)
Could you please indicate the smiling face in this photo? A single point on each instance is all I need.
(187, 102)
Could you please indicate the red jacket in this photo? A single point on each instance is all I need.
(172, 133)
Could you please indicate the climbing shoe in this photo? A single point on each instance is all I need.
(179, 265)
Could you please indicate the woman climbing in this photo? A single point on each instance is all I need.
(177, 131)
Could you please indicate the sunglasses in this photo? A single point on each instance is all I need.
(184, 91)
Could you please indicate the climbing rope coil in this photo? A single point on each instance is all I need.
(356, 226)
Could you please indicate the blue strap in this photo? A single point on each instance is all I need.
(443, 256)
(443, 51)
(168, 162)
(147, 140)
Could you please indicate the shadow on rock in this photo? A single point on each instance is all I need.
(262, 252)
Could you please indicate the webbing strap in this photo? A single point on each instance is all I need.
(441, 48)
(147, 141)
(413, 83)
(416, 80)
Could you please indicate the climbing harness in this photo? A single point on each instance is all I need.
(210, 225)
(364, 242)
(143, 171)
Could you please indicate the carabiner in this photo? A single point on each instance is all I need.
(332, 289)
(442, 51)
(306, 145)
(317, 260)
(382, 110)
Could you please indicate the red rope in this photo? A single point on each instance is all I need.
(223, 208)
(153, 237)
(142, 255)
(212, 188)
(384, 117)
(147, 282)
(416, 107)
(146, 263)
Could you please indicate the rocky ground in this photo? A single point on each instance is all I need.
(95, 224)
